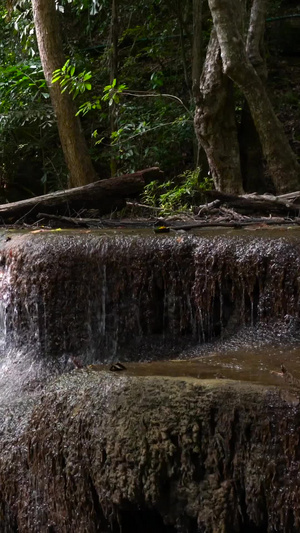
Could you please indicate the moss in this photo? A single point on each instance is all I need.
(101, 449)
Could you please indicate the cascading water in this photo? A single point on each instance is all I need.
(165, 445)
(103, 296)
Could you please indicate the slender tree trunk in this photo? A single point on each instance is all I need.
(182, 46)
(282, 163)
(197, 44)
(114, 39)
(51, 53)
(197, 63)
(215, 122)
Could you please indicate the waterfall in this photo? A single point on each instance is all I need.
(199, 433)
(107, 296)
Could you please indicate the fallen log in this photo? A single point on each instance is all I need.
(105, 196)
(78, 222)
(291, 196)
(256, 203)
(255, 223)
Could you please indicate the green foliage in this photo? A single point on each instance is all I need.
(21, 84)
(127, 145)
(157, 80)
(93, 7)
(159, 137)
(71, 81)
(147, 130)
(111, 93)
(90, 105)
(179, 194)
(79, 83)
(27, 124)
(30, 162)
(150, 127)
(22, 20)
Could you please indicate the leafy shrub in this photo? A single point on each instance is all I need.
(179, 194)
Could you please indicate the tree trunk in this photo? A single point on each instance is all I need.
(215, 122)
(252, 160)
(114, 39)
(179, 9)
(282, 163)
(197, 44)
(255, 37)
(51, 53)
(197, 63)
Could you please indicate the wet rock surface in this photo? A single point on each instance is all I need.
(104, 296)
(113, 453)
(209, 443)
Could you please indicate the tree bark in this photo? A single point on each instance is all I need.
(114, 40)
(249, 204)
(51, 53)
(252, 160)
(255, 37)
(180, 17)
(197, 64)
(215, 122)
(197, 44)
(282, 162)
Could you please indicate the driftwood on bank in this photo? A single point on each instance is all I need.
(105, 196)
(287, 204)
(64, 208)
(79, 222)
(164, 225)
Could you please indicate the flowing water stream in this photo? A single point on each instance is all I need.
(102, 296)
(213, 306)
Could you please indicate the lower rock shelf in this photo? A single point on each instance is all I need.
(110, 452)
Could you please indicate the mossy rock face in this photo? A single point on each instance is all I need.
(104, 452)
(102, 297)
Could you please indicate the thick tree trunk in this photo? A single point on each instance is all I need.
(255, 37)
(215, 122)
(282, 163)
(252, 160)
(51, 53)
